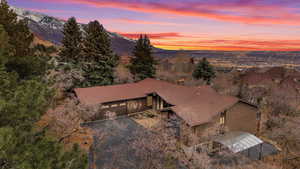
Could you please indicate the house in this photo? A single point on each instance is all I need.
(199, 107)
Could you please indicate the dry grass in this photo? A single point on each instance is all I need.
(148, 119)
(147, 122)
(38, 40)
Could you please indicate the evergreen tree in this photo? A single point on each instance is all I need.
(24, 97)
(204, 70)
(71, 49)
(20, 36)
(4, 46)
(22, 58)
(142, 64)
(8, 18)
(99, 59)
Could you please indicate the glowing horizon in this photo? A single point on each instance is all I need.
(189, 24)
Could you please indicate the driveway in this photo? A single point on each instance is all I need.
(124, 144)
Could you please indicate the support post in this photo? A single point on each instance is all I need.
(260, 152)
(248, 151)
(157, 103)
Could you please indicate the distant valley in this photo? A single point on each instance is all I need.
(49, 28)
(241, 59)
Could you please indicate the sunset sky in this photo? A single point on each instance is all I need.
(189, 24)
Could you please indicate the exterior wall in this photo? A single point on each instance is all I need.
(158, 103)
(137, 105)
(190, 136)
(242, 117)
(208, 130)
(122, 107)
(200, 130)
(126, 107)
(119, 107)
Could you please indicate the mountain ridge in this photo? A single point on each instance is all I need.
(50, 28)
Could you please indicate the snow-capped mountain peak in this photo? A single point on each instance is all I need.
(50, 28)
(22, 14)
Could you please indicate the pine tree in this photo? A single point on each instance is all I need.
(204, 70)
(24, 97)
(142, 64)
(19, 33)
(4, 46)
(3, 38)
(71, 49)
(8, 18)
(22, 39)
(22, 58)
(99, 59)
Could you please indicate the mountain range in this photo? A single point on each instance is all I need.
(50, 29)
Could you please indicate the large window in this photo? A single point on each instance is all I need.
(114, 105)
(223, 118)
(105, 106)
(149, 100)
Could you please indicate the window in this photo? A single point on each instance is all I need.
(222, 118)
(105, 107)
(114, 105)
(149, 100)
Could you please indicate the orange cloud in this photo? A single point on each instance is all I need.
(249, 45)
(144, 22)
(261, 43)
(152, 35)
(246, 13)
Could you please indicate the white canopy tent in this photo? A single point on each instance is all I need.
(238, 141)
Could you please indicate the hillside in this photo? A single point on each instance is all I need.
(50, 29)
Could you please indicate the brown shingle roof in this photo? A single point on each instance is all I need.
(195, 105)
(104, 94)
